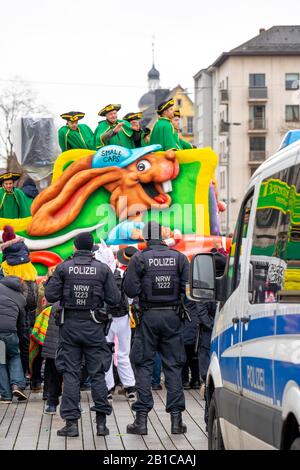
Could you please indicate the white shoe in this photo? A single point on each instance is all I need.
(202, 391)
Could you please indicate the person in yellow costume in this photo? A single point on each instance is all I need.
(15, 256)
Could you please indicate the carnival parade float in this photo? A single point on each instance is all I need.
(114, 191)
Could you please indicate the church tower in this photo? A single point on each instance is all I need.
(153, 79)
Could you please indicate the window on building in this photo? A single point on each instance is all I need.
(179, 102)
(292, 113)
(257, 143)
(257, 115)
(292, 81)
(257, 148)
(257, 80)
(257, 112)
(190, 125)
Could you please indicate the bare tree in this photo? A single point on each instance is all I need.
(16, 100)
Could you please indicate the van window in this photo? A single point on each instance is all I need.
(236, 249)
(275, 253)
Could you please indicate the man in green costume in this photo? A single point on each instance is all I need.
(184, 144)
(14, 204)
(141, 136)
(113, 131)
(163, 132)
(74, 135)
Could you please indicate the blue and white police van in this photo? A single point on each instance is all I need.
(253, 381)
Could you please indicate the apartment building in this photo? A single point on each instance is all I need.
(244, 104)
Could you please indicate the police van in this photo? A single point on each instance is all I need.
(253, 381)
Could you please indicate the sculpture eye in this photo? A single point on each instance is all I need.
(143, 165)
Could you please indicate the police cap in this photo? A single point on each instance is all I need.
(84, 241)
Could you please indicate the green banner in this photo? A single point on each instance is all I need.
(275, 194)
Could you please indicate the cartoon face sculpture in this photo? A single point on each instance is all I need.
(135, 187)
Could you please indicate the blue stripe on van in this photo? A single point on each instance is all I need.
(284, 373)
(257, 375)
(288, 324)
(259, 327)
(262, 380)
(230, 370)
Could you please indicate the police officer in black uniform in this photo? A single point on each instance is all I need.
(158, 276)
(82, 284)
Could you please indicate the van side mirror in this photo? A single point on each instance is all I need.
(202, 278)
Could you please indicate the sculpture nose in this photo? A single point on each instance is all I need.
(170, 155)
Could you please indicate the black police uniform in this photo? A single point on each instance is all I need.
(82, 284)
(158, 276)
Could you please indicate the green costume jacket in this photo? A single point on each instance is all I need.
(184, 144)
(123, 138)
(83, 138)
(15, 205)
(139, 139)
(163, 133)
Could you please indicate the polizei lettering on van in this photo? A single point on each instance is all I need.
(162, 262)
(90, 270)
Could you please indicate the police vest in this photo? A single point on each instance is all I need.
(122, 308)
(82, 287)
(161, 281)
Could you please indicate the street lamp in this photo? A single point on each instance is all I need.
(228, 171)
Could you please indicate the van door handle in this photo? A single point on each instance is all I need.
(235, 320)
(246, 320)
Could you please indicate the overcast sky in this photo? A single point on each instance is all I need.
(83, 54)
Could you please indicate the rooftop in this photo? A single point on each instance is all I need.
(153, 74)
(278, 40)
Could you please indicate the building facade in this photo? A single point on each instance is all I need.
(244, 104)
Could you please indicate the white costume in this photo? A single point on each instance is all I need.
(119, 330)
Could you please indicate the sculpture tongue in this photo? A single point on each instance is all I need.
(161, 198)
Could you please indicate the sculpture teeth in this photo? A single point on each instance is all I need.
(167, 186)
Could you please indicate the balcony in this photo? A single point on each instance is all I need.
(258, 93)
(257, 125)
(257, 156)
(224, 127)
(224, 96)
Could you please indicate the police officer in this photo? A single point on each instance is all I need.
(82, 284)
(158, 276)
